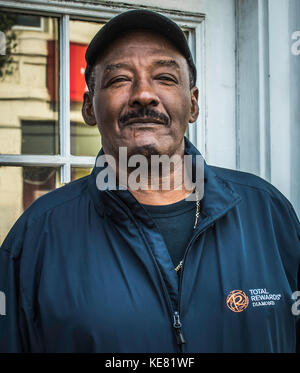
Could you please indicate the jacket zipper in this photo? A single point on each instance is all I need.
(176, 316)
(176, 319)
(177, 325)
(176, 313)
(177, 322)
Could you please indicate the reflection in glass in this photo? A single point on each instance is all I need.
(21, 186)
(85, 140)
(78, 172)
(29, 85)
(41, 138)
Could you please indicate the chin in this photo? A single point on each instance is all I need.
(146, 150)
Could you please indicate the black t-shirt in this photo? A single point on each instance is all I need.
(176, 223)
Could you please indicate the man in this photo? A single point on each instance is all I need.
(89, 269)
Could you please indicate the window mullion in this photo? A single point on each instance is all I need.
(64, 98)
(31, 160)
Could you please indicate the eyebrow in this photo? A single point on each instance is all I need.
(116, 66)
(168, 63)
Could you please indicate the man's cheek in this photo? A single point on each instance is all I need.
(104, 113)
(177, 103)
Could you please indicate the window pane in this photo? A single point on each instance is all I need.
(19, 187)
(85, 140)
(29, 86)
(78, 172)
(28, 20)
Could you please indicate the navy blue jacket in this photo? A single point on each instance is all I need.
(85, 270)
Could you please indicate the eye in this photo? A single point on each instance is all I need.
(116, 80)
(166, 79)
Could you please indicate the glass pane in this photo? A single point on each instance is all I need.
(28, 20)
(85, 140)
(19, 187)
(78, 172)
(29, 85)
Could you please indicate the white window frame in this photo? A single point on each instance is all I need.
(193, 22)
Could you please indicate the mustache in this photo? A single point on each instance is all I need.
(144, 113)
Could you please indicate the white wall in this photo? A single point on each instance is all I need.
(268, 114)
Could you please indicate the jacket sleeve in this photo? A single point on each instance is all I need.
(20, 260)
(12, 320)
(287, 229)
(297, 229)
(13, 326)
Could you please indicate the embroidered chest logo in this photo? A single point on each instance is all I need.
(237, 301)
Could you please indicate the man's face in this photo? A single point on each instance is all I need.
(142, 97)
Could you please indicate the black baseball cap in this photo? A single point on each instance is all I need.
(139, 20)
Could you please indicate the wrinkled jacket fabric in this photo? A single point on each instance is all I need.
(85, 270)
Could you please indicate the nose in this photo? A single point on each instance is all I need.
(143, 94)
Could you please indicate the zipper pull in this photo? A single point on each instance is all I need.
(177, 325)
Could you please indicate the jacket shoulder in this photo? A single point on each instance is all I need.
(34, 215)
(57, 197)
(248, 182)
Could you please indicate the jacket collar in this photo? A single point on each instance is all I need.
(218, 197)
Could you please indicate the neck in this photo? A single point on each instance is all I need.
(159, 181)
(152, 197)
(162, 187)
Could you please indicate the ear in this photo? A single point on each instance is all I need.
(88, 110)
(194, 105)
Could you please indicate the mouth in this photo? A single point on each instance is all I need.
(143, 122)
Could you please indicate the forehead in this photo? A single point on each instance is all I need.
(145, 43)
